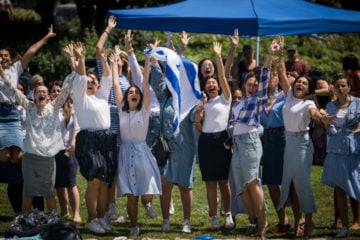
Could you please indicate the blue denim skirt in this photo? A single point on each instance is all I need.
(297, 169)
(245, 161)
(10, 127)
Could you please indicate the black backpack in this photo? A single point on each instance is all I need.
(61, 231)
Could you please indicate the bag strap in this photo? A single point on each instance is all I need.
(162, 116)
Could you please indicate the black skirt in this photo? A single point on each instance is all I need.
(97, 153)
(214, 159)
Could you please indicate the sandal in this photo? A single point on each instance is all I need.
(250, 230)
(261, 231)
(299, 230)
(308, 229)
(281, 228)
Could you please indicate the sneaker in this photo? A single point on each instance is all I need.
(95, 227)
(344, 232)
(135, 231)
(229, 223)
(112, 212)
(186, 226)
(165, 225)
(150, 210)
(105, 224)
(171, 209)
(215, 224)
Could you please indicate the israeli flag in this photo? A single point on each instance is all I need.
(181, 80)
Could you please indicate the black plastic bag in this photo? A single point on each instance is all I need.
(161, 150)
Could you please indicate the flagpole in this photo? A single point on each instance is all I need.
(257, 50)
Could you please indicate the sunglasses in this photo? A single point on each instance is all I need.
(204, 65)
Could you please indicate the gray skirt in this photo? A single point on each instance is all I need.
(39, 175)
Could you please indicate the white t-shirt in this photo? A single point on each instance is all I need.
(296, 113)
(216, 115)
(92, 112)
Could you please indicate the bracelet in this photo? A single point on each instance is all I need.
(106, 32)
(130, 50)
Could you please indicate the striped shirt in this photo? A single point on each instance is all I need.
(114, 113)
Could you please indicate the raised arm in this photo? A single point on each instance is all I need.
(230, 58)
(102, 39)
(184, 39)
(146, 87)
(136, 73)
(104, 63)
(284, 81)
(25, 60)
(221, 71)
(69, 50)
(79, 48)
(20, 98)
(114, 58)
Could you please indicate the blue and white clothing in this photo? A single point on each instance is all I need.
(298, 152)
(114, 116)
(342, 162)
(248, 109)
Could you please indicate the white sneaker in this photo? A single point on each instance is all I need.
(186, 226)
(150, 210)
(215, 224)
(112, 212)
(105, 225)
(171, 209)
(229, 223)
(135, 231)
(95, 227)
(344, 232)
(165, 225)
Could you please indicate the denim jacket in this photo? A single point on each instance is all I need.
(344, 141)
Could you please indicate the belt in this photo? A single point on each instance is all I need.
(275, 130)
(214, 134)
(7, 104)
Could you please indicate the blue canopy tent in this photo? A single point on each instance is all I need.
(251, 17)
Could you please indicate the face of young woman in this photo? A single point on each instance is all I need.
(133, 98)
(237, 95)
(251, 86)
(273, 81)
(41, 96)
(212, 88)
(301, 87)
(55, 91)
(341, 88)
(92, 84)
(5, 58)
(207, 68)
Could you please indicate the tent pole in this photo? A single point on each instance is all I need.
(257, 50)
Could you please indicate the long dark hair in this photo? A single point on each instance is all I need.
(310, 95)
(126, 107)
(200, 76)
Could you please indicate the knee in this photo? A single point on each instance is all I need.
(16, 155)
(5, 155)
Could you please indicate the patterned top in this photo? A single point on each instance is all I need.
(248, 111)
(43, 134)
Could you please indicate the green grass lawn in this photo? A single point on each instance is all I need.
(323, 219)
